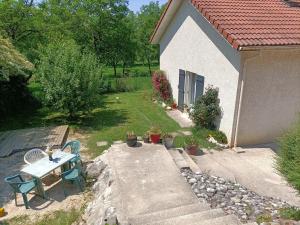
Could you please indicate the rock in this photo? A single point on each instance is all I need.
(233, 198)
(94, 169)
(211, 190)
(102, 143)
(184, 174)
(192, 181)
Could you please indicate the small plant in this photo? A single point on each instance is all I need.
(155, 133)
(155, 130)
(146, 137)
(290, 214)
(219, 136)
(174, 105)
(168, 140)
(191, 145)
(207, 109)
(289, 155)
(131, 139)
(264, 218)
(191, 141)
(131, 135)
(167, 135)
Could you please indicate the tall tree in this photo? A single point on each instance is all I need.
(21, 21)
(111, 31)
(146, 21)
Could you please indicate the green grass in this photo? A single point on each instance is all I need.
(135, 111)
(290, 214)
(56, 218)
(111, 119)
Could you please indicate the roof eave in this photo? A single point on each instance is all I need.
(268, 47)
(164, 20)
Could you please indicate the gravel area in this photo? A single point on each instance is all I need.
(232, 197)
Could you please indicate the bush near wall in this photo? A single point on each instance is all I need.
(207, 109)
(288, 160)
(161, 86)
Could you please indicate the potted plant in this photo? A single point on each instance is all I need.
(131, 139)
(155, 134)
(174, 105)
(146, 137)
(191, 145)
(168, 140)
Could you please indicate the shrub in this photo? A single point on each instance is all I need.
(288, 160)
(207, 109)
(219, 136)
(70, 79)
(161, 86)
(290, 214)
(126, 84)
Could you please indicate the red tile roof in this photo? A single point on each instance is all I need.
(247, 23)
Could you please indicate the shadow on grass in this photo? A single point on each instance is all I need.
(100, 117)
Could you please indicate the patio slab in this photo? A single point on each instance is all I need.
(254, 169)
(148, 179)
(181, 118)
(25, 139)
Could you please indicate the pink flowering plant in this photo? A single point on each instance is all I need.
(161, 86)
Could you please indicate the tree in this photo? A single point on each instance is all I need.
(15, 70)
(12, 62)
(146, 21)
(70, 79)
(22, 22)
(111, 31)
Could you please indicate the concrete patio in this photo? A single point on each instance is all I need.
(254, 169)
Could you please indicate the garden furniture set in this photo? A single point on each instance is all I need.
(39, 165)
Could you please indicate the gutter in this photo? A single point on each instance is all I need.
(239, 101)
(268, 47)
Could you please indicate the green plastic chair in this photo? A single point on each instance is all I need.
(74, 175)
(21, 186)
(75, 149)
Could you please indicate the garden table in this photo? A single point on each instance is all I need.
(44, 166)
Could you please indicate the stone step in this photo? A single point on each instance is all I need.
(190, 218)
(178, 159)
(223, 220)
(192, 164)
(169, 213)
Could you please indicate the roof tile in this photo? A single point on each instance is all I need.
(253, 22)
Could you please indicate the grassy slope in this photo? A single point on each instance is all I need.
(133, 112)
(111, 119)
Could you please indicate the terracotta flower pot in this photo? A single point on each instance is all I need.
(155, 138)
(192, 149)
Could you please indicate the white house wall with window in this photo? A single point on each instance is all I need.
(186, 47)
(252, 56)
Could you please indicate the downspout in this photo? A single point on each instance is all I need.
(240, 94)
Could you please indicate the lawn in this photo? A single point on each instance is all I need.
(56, 218)
(110, 120)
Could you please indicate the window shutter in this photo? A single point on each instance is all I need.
(199, 86)
(181, 89)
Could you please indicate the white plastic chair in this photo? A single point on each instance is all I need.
(34, 155)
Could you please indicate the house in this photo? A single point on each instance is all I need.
(248, 49)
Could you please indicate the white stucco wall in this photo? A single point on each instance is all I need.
(271, 96)
(191, 43)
